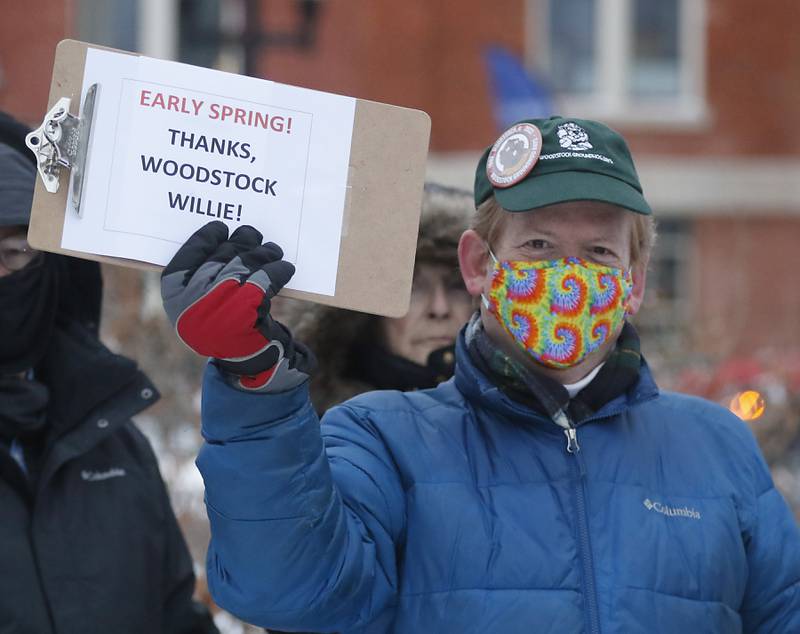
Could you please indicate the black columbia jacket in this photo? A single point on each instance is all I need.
(88, 540)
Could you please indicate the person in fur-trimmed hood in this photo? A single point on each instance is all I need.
(358, 352)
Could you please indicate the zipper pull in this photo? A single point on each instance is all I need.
(572, 440)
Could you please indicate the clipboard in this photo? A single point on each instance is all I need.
(381, 212)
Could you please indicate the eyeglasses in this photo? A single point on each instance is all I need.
(16, 253)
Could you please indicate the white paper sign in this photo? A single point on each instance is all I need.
(176, 146)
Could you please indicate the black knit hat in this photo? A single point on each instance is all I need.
(17, 178)
(82, 288)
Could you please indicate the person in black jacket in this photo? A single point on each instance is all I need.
(89, 540)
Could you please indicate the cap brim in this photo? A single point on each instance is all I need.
(561, 187)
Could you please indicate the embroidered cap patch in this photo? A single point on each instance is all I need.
(514, 154)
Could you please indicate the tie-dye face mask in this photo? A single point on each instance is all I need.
(559, 311)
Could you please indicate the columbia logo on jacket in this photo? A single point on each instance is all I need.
(671, 511)
(95, 476)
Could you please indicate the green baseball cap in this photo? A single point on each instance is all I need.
(539, 162)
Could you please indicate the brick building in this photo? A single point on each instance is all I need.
(706, 92)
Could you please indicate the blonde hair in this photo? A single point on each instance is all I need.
(489, 218)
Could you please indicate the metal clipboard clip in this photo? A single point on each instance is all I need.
(63, 141)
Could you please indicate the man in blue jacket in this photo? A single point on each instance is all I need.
(549, 487)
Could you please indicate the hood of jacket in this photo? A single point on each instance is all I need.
(334, 334)
(80, 283)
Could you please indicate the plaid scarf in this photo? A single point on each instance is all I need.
(547, 396)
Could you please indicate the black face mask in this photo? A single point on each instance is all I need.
(28, 301)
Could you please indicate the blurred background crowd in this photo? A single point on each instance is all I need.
(705, 91)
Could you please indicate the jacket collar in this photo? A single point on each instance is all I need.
(479, 388)
(95, 392)
(81, 373)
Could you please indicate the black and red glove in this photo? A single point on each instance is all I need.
(217, 291)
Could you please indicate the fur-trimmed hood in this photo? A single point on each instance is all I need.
(334, 333)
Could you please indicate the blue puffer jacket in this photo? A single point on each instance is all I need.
(459, 510)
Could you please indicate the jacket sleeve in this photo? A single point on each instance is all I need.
(772, 540)
(303, 532)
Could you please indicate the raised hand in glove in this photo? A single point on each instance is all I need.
(217, 291)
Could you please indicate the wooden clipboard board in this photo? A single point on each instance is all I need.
(381, 214)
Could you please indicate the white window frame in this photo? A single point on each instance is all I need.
(158, 28)
(613, 45)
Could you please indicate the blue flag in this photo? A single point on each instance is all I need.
(516, 92)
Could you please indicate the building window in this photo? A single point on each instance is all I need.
(572, 60)
(654, 62)
(211, 34)
(666, 308)
(624, 60)
(199, 32)
(113, 23)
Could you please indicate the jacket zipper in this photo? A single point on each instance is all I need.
(38, 567)
(590, 591)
